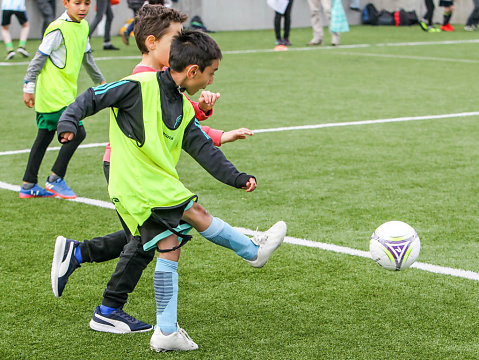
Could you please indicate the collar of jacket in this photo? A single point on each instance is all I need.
(171, 96)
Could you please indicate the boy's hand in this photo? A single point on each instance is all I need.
(250, 185)
(234, 135)
(29, 99)
(66, 137)
(207, 100)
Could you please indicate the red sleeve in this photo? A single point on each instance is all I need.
(200, 114)
(214, 134)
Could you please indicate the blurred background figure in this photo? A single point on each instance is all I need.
(426, 21)
(448, 10)
(282, 9)
(17, 8)
(473, 19)
(103, 7)
(47, 9)
(317, 7)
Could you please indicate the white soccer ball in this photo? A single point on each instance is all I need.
(395, 245)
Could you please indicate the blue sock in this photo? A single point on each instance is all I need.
(166, 294)
(223, 234)
(78, 254)
(106, 310)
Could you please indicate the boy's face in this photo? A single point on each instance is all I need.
(161, 51)
(197, 80)
(77, 10)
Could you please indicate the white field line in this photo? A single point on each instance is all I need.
(410, 57)
(302, 127)
(309, 48)
(294, 241)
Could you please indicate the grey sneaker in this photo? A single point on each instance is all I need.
(268, 242)
(10, 55)
(23, 51)
(179, 341)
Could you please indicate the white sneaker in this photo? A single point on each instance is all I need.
(178, 340)
(268, 242)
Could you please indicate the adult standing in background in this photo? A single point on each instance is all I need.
(103, 7)
(47, 8)
(316, 7)
(473, 19)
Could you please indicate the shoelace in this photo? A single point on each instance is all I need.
(127, 317)
(259, 239)
(184, 334)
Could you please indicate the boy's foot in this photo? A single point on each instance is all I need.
(10, 55)
(125, 37)
(23, 51)
(423, 25)
(469, 28)
(60, 188)
(315, 42)
(178, 340)
(118, 322)
(110, 47)
(448, 27)
(287, 42)
(268, 242)
(334, 39)
(279, 42)
(433, 29)
(64, 263)
(35, 191)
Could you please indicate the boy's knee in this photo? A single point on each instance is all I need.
(198, 217)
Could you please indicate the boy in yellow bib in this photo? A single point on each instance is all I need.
(151, 122)
(50, 86)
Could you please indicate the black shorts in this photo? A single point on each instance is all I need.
(7, 15)
(446, 3)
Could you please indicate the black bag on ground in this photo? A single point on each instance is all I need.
(385, 18)
(370, 15)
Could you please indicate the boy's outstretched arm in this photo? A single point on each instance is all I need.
(200, 147)
(124, 94)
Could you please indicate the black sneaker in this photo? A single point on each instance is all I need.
(64, 263)
(118, 322)
(110, 47)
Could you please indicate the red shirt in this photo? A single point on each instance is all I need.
(214, 134)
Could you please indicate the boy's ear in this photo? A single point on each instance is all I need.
(191, 71)
(150, 42)
(65, 2)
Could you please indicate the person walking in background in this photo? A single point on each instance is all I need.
(448, 10)
(282, 9)
(47, 9)
(17, 8)
(473, 19)
(316, 7)
(426, 22)
(338, 22)
(103, 7)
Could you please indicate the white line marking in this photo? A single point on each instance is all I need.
(24, 151)
(409, 57)
(309, 48)
(369, 122)
(302, 127)
(466, 274)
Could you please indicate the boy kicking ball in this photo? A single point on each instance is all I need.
(146, 139)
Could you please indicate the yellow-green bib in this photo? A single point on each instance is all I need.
(145, 177)
(57, 87)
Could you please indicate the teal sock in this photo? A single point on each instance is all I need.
(223, 234)
(166, 294)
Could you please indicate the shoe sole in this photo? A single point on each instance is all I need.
(56, 263)
(61, 195)
(110, 329)
(26, 196)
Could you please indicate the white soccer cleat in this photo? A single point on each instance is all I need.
(268, 242)
(177, 341)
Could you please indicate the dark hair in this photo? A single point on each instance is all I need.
(193, 47)
(154, 20)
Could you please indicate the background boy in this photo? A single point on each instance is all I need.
(448, 10)
(17, 8)
(149, 136)
(155, 28)
(52, 67)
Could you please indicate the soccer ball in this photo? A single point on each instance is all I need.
(394, 245)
